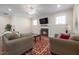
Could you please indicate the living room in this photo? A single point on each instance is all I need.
(38, 27)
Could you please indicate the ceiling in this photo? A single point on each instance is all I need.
(40, 9)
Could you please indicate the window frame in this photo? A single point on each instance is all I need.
(35, 22)
(60, 20)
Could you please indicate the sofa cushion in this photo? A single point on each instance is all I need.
(11, 36)
(76, 38)
(26, 35)
(64, 36)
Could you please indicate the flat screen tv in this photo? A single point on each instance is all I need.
(43, 21)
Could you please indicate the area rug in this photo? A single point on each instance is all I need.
(40, 47)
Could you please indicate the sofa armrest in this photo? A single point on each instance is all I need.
(62, 46)
(63, 40)
(18, 46)
(1, 44)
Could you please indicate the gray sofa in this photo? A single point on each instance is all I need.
(64, 47)
(16, 46)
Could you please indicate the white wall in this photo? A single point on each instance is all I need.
(52, 27)
(76, 18)
(3, 21)
(36, 28)
(22, 24)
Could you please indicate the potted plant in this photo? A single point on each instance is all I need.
(8, 27)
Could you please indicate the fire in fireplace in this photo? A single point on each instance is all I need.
(44, 31)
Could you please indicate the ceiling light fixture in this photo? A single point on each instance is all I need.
(58, 6)
(31, 12)
(10, 9)
(30, 9)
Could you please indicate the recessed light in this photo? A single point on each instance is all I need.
(10, 9)
(58, 6)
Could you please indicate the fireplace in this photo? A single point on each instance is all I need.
(44, 31)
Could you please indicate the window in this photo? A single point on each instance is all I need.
(61, 20)
(34, 22)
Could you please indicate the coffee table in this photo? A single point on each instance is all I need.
(35, 37)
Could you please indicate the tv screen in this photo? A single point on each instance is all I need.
(43, 21)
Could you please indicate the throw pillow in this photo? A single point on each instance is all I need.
(64, 36)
